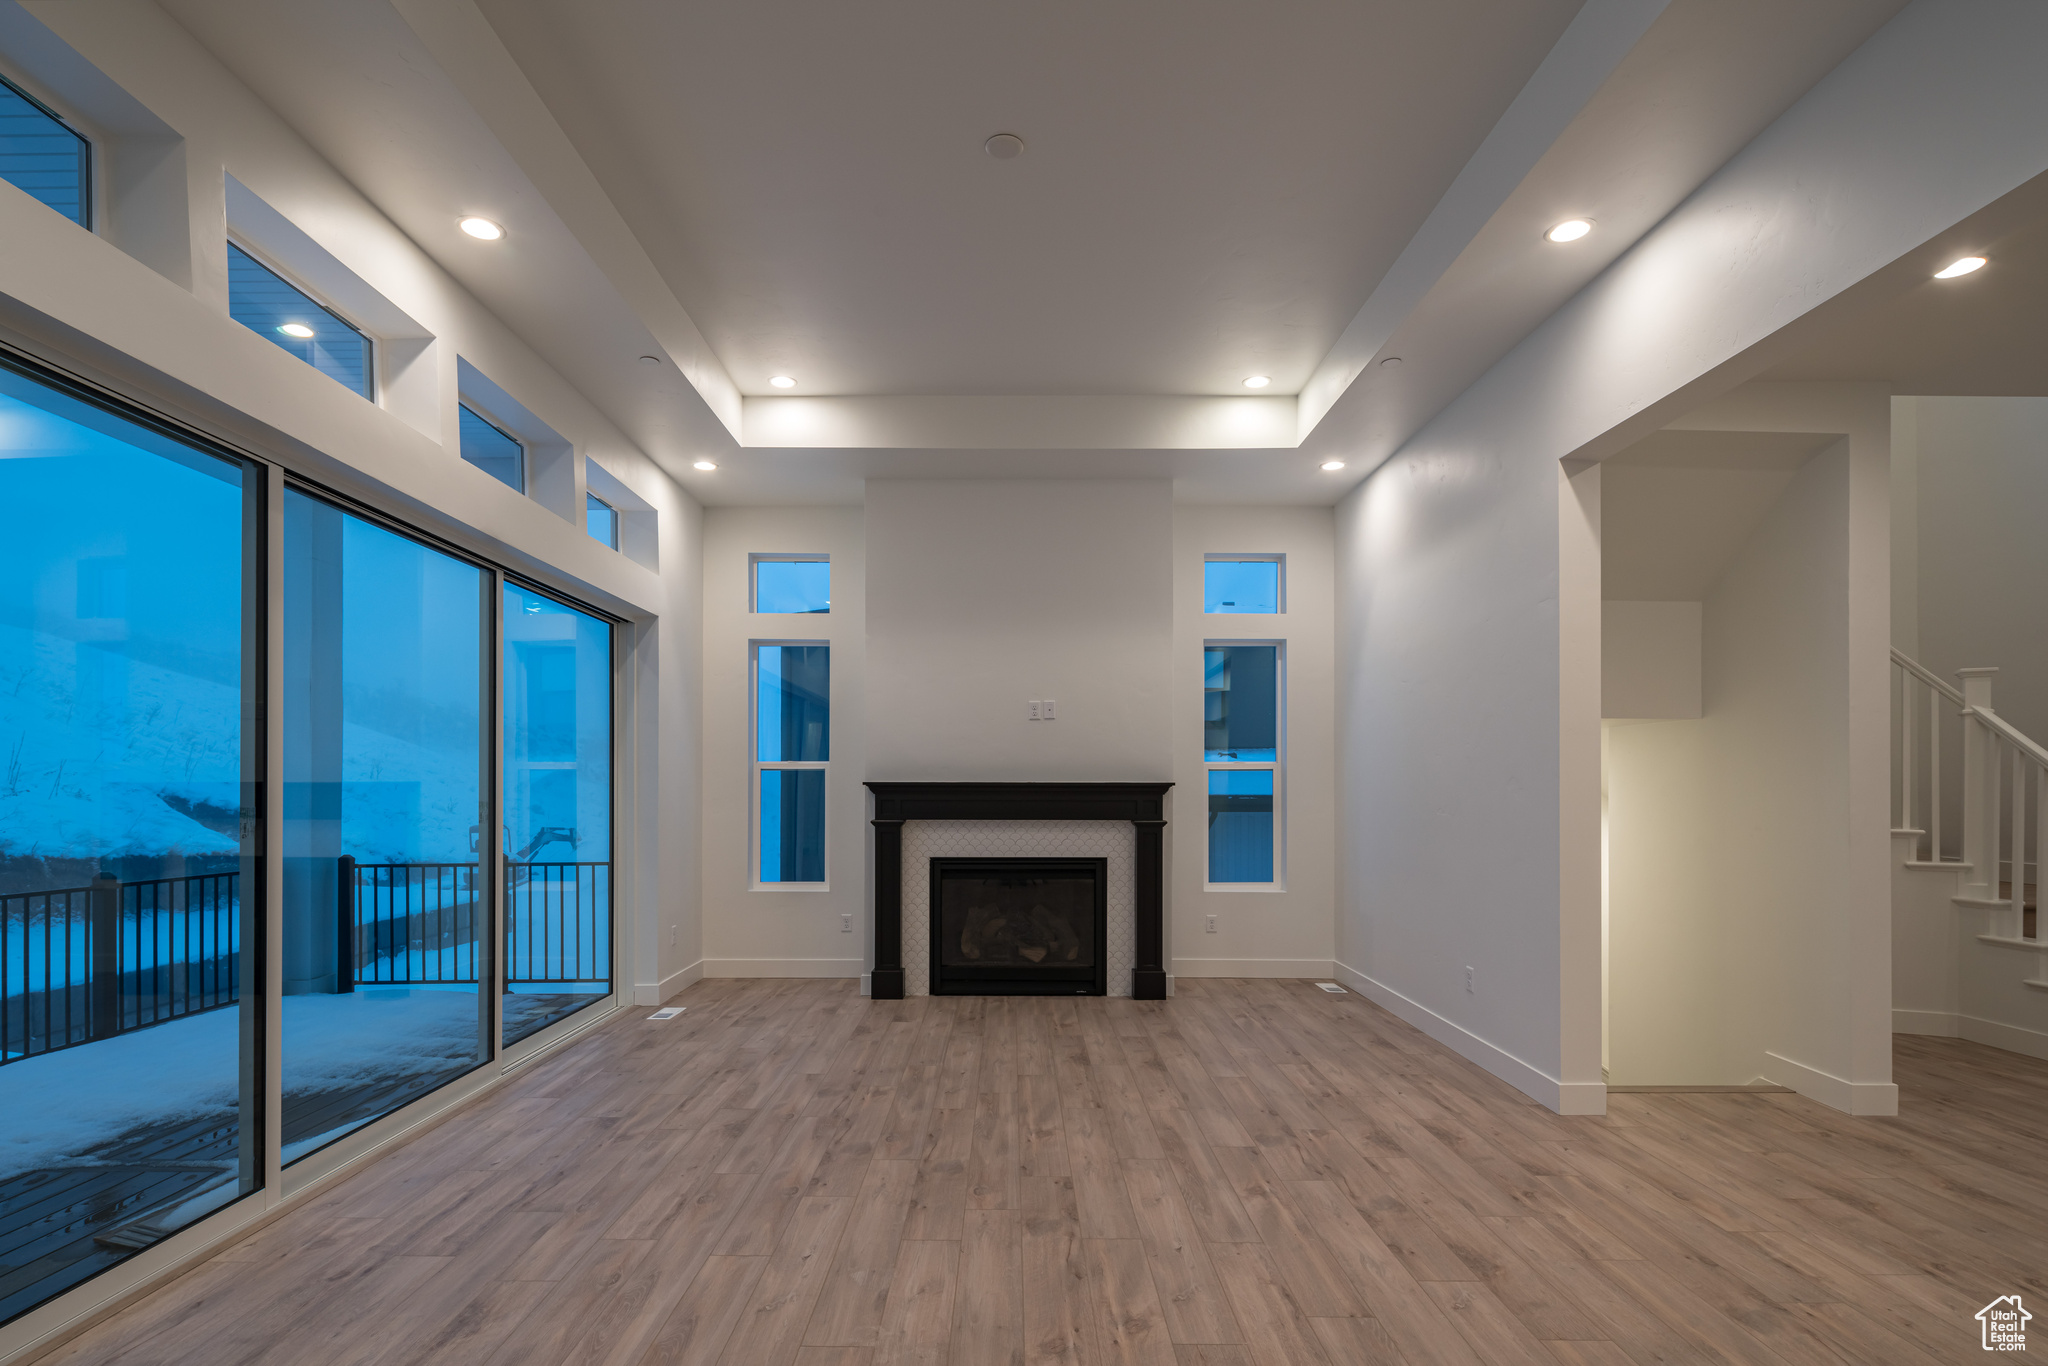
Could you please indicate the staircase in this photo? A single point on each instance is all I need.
(1970, 826)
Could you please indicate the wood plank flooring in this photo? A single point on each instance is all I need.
(1253, 1172)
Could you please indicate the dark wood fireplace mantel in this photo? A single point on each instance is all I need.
(1142, 804)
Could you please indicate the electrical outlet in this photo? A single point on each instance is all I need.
(1048, 709)
(1035, 705)
(846, 922)
(672, 932)
(1468, 978)
(1212, 924)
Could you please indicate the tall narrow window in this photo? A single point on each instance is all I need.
(130, 734)
(386, 920)
(42, 156)
(1241, 583)
(602, 519)
(492, 449)
(281, 313)
(792, 729)
(558, 810)
(792, 583)
(1241, 749)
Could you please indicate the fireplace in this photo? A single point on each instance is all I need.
(1139, 805)
(1020, 927)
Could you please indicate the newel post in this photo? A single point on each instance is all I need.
(1980, 788)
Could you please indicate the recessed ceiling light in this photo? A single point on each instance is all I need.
(1391, 363)
(1257, 381)
(706, 465)
(1962, 266)
(650, 360)
(782, 381)
(1571, 230)
(482, 229)
(1333, 464)
(1004, 146)
(295, 330)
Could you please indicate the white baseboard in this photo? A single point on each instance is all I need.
(654, 993)
(1252, 967)
(867, 984)
(1850, 1097)
(1944, 1024)
(1566, 1098)
(2012, 1038)
(784, 967)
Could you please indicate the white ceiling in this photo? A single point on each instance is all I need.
(1298, 189)
(1208, 191)
(1981, 335)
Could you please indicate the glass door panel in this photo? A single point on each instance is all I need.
(558, 810)
(129, 886)
(385, 919)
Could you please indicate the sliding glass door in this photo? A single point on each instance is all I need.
(441, 835)
(558, 810)
(130, 891)
(386, 921)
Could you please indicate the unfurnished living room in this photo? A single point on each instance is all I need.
(769, 683)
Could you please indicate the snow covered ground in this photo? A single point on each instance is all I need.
(55, 1106)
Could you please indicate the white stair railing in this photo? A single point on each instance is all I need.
(1923, 702)
(2005, 801)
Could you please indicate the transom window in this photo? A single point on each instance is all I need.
(286, 316)
(1242, 583)
(792, 583)
(40, 154)
(792, 746)
(492, 449)
(1242, 752)
(602, 519)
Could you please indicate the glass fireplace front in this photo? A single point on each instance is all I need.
(1020, 926)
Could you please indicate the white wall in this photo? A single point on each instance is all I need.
(1980, 467)
(1649, 659)
(1729, 908)
(751, 930)
(983, 595)
(1450, 684)
(1290, 930)
(158, 331)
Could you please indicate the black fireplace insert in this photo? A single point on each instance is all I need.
(1020, 926)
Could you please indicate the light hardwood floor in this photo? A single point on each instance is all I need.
(1252, 1172)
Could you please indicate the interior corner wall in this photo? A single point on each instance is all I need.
(985, 594)
(1726, 835)
(1288, 930)
(750, 929)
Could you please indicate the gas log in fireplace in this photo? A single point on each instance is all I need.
(1020, 926)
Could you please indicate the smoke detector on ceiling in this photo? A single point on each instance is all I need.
(1004, 146)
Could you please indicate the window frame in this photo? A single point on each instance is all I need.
(756, 766)
(606, 504)
(89, 189)
(1277, 559)
(1277, 766)
(373, 344)
(755, 559)
(463, 403)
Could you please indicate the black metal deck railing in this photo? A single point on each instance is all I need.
(85, 963)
